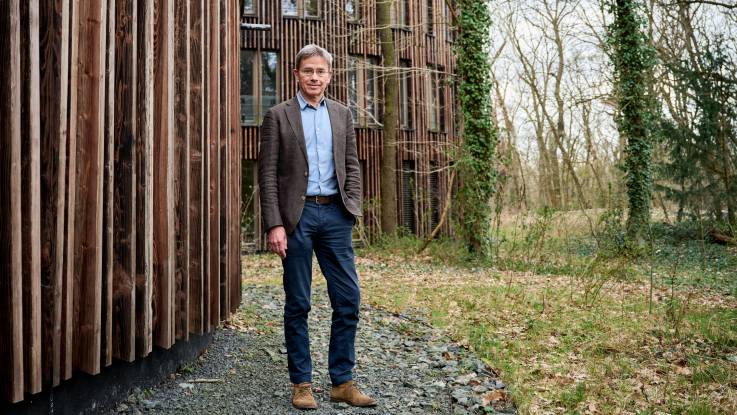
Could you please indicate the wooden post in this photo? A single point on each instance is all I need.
(124, 211)
(213, 88)
(164, 255)
(11, 326)
(54, 64)
(223, 147)
(181, 180)
(90, 146)
(69, 270)
(31, 186)
(108, 191)
(144, 176)
(197, 189)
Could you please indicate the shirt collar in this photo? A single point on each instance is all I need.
(303, 103)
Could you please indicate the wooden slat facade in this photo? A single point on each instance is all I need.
(118, 162)
(422, 51)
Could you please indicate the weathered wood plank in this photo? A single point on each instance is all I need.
(108, 192)
(224, 107)
(196, 136)
(54, 67)
(11, 326)
(124, 211)
(164, 254)
(181, 179)
(206, 78)
(237, 156)
(69, 267)
(90, 146)
(144, 176)
(214, 155)
(31, 185)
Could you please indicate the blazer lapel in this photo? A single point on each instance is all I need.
(295, 120)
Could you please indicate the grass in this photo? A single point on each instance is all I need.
(573, 326)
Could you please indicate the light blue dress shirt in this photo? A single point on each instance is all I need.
(321, 180)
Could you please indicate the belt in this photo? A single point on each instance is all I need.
(322, 200)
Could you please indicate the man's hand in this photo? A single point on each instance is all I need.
(278, 241)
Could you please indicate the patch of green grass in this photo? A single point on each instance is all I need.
(571, 397)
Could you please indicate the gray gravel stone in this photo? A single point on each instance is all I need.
(409, 366)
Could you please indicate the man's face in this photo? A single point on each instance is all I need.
(313, 76)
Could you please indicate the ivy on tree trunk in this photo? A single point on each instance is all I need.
(633, 61)
(477, 161)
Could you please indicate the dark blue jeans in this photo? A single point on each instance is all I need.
(326, 230)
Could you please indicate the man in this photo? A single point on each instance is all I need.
(310, 184)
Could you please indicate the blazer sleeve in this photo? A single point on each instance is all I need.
(268, 159)
(352, 165)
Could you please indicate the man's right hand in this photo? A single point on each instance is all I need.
(278, 241)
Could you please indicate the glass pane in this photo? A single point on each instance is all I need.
(371, 95)
(405, 112)
(289, 7)
(268, 81)
(353, 89)
(350, 9)
(432, 120)
(248, 7)
(441, 102)
(248, 109)
(430, 17)
(312, 8)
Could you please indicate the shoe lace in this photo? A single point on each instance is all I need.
(303, 391)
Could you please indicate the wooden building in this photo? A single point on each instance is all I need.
(273, 31)
(119, 168)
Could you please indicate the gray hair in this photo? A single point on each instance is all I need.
(314, 50)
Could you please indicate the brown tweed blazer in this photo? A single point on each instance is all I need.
(283, 168)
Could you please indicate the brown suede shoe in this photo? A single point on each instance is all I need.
(302, 396)
(349, 393)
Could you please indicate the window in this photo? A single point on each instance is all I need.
(353, 10)
(363, 90)
(405, 96)
(249, 7)
(449, 21)
(258, 84)
(430, 17)
(301, 8)
(408, 196)
(400, 13)
(436, 103)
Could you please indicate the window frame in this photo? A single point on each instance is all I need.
(402, 6)
(430, 18)
(254, 10)
(301, 12)
(406, 97)
(364, 70)
(436, 92)
(257, 87)
(357, 15)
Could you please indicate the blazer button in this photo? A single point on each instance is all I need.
(306, 174)
(303, 197)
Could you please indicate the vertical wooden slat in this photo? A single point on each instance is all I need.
(90, 146)
(69, 267)
(54, 65)
(124, 210)
(144, 175)
(181, 179)
(11, 326)
(31, 186)
(164, 255)
(106, 319)
(235, 149)
(223, 147)
(197, 190)
(206, 194)
(213, 88)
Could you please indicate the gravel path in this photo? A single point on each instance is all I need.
(408, 366)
